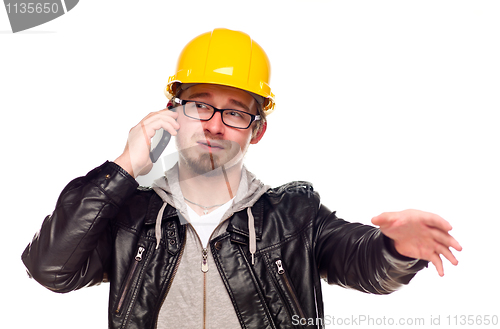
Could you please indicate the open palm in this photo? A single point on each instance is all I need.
(419, 234)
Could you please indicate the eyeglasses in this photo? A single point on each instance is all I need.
(204, 112)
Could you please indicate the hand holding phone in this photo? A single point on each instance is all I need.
(159, 141)
(147, 140)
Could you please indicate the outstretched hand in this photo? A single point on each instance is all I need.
(419, 234)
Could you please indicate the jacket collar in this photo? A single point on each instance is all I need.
(153, 208)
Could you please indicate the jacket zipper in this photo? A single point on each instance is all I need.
(204, 269)
(281, 272)
(128, 281)
(204, 260)
(205, 294)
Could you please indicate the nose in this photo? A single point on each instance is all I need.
(215, 125)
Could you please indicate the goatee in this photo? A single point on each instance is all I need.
(206, 163)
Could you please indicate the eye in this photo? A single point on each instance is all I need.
(235, 114)
(202, 106)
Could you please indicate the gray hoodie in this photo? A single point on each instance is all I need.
(198, 298)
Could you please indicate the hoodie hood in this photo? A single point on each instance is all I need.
(249, 191)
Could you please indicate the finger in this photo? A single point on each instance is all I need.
(171, 125)
(150, 115)
(160, 115)
(165, 113)
(165, 120)
(438, 263)
(454, 243)
(168, 125)
(437, 221)
(447, 254)
(445, 239)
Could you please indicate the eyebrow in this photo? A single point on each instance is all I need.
(231, 100)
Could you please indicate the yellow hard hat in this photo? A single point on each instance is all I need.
(225, 57)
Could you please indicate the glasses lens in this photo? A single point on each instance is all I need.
(198, 111)
(204, 112)
(236, 119)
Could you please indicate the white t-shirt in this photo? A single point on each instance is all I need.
(205, 225)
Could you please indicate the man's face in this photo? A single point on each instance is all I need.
(206, 145)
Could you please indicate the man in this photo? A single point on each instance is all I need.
(209, 245)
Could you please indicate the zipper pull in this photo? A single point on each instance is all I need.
(138, 257)
(204, 260)
(279, 264)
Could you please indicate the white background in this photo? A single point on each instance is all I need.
(383, 105)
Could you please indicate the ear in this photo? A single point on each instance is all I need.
(258, 136)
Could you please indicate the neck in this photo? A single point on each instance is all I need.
(213, 188)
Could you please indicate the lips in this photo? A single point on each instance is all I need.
(211, 144)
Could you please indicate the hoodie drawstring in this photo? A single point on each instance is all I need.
(251, 232)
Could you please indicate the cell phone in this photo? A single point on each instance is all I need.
(158, 144)
(159, 141)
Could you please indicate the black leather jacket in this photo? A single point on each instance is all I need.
(103, 230)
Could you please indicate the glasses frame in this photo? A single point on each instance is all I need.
(183, 102)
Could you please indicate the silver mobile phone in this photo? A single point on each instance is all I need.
(159, 141)
(158, 144)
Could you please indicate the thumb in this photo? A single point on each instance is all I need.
(377, 220)
(381, 220)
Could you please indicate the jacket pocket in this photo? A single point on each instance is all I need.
(127, 286)
(284, 281)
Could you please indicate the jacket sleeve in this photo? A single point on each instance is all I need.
(73, 246)
(359, 256)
